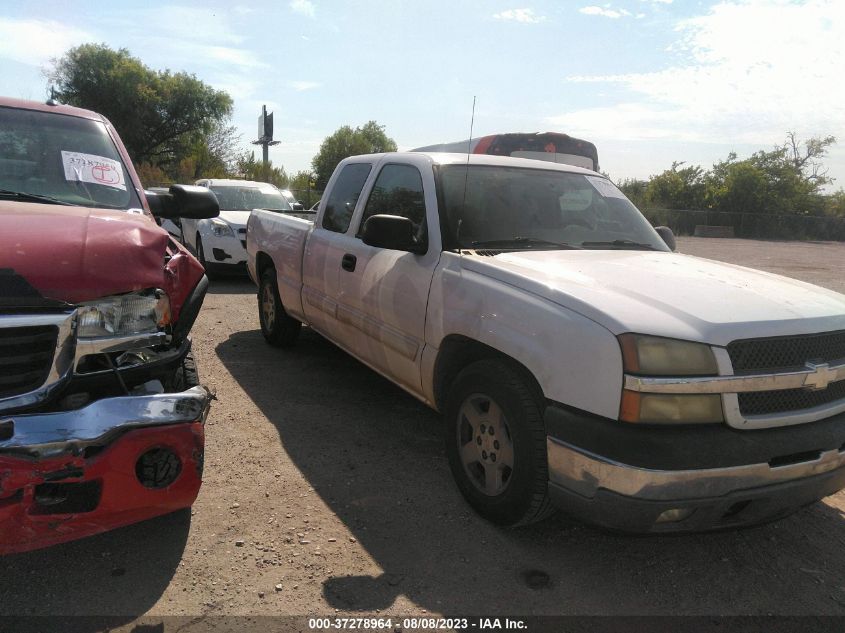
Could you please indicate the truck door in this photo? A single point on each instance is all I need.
(383, 294)
(325, 248)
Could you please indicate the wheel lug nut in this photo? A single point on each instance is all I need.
(491, 430)
(493, 457)
(483, 428)
(496, 444)
(478, 440)
(483, 454)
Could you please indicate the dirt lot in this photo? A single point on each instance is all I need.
(335, 481)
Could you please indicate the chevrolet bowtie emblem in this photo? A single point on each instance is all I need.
(821, 377)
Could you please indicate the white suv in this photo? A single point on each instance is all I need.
(220, 243)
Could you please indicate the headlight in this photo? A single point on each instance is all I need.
(655, 356)
(124, 315)
(220, 228)
(660, 408)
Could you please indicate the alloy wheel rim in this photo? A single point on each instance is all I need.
(268, 307)
(485, 445)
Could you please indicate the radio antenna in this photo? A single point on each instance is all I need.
(466, 174)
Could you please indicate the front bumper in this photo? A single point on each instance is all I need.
(115, 462)
(638, 479)
(227, 250)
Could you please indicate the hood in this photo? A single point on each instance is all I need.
(77, 254)
(235, 218)
(668, 294)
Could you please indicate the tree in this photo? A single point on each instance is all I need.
(160, 115)
(248, 168)
(806, 159)
(676, 188)
(302, 185)
(344, 142)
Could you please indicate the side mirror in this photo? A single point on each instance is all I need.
(183, 201)
(666, 235)
(298, 206)
(389, 231)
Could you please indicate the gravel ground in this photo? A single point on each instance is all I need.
(327, 491)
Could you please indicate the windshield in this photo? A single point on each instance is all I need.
(48, 157)
(519, 208)
(234, 198)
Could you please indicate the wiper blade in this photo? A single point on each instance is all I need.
(621, 244)
(33, 197)
(520, 242)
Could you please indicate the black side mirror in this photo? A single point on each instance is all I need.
(298, 206)
(183, 201)
(162, 205)
(666, 235)
(197, 203)
(389, 231)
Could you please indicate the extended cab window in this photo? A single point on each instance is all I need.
(344, 195)
(398, 190)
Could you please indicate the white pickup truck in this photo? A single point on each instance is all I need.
(578, 361)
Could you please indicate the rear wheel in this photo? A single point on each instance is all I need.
(496, 443)
(277, 326)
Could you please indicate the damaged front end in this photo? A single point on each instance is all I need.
(114, 462)
(101, 415)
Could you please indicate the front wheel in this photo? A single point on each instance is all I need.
(277, 326)
(201, 257)
(496, 443)
(185, 375)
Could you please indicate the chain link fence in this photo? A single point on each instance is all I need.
(751, 225)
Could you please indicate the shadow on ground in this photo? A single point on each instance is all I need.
(231, 285)
(120, 573)
(374, 455)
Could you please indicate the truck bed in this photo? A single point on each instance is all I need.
(284, 234)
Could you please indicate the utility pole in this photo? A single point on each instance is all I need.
(265, 133)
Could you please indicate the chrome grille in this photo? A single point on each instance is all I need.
(785, 400)
(785, 353)
(26, 358)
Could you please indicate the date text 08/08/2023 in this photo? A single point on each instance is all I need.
(417, 623)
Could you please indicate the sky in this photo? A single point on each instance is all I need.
(648, 81)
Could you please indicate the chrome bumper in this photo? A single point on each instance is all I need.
(585, 474)
(47, 435)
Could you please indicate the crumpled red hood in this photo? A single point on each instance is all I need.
(77, 254)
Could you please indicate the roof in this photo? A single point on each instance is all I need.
(443, 158)
(235, 182)
(55, 109)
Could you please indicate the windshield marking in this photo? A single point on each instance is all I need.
(606, 188)
(97, 170)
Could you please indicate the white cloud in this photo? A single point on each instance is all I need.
(526, 16)
(302, 86)
(303, 7)
(737, 84)
(604, 12)
(35, 42)
(186, 23)
(234, 56)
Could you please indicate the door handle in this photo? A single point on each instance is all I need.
(348, 262)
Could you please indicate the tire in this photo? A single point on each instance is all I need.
(496, 443)
(277, 326)
(201, 257)
(186, 375)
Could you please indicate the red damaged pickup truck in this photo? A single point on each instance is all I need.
(101, 411)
